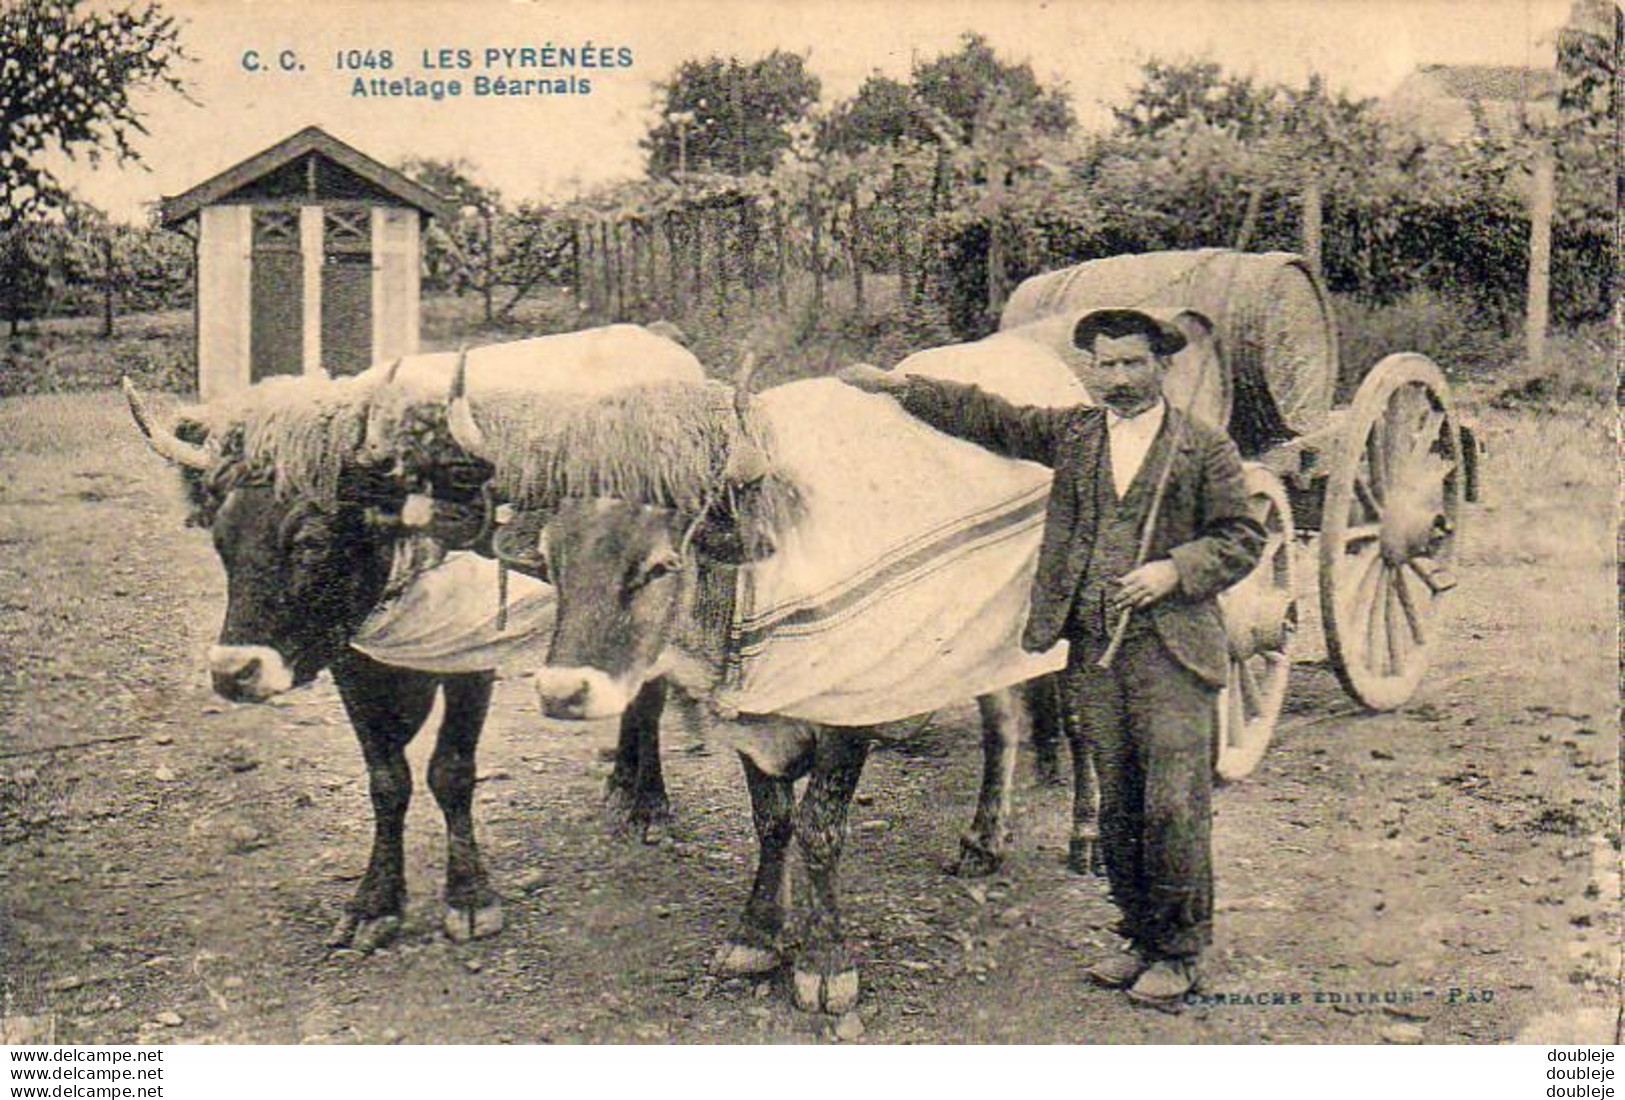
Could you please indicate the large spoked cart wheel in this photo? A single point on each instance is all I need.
(1261, 621)
(1392, 505)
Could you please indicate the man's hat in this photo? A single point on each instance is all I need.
(1166, 337)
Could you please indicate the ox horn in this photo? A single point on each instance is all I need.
(393, 369)
(459, 417)
(166, 443)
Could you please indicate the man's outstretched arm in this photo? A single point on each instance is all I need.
(969, 412)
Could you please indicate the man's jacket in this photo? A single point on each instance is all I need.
(1205, 526)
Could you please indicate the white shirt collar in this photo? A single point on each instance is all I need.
(1147, 421)
(1129, 441)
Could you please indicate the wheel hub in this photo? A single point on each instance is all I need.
(1258, 619)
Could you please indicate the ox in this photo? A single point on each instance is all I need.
(642, 536)
(305, 564)
(307, 513)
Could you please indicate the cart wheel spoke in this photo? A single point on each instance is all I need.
(1407, 603)
(1398, 633)
(1376, 456)
(1369, 498)
(1427, 434)
(1360, 534)
(1252, 696)
(1374, 608)
(1236, 711)
(1260, 615)
(1361, 581)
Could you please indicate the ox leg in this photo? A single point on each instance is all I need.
(473, 909)
(635, 796)
(825, 977)
(1085, 856)
(982, 850)
(386, 706)
(1043, 697)
(754, 948)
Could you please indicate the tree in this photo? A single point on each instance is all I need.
(461, 255)
(68, 79)
(1171, 92)
(721, 115)
(883, 112)
(963, 86)
(1591, 176)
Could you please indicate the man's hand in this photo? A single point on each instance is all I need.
(871, 379)
(1146, 585)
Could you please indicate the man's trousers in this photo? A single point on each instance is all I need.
(1150, 723)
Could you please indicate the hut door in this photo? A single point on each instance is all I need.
(277, 335)
(346, 290)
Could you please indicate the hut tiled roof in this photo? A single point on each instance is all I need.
(311, 139)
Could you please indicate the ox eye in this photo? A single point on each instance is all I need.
(659, 567)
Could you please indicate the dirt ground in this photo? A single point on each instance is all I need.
(174, 882)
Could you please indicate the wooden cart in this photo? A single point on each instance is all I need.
(1379, 485)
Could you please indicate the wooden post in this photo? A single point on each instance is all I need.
(668, 225)
(1249, 220)
(899, 181)
(816, 222)
(780, 245)
(1312, 223)
(606, 274)
(109, 277)
(855, 258)
(488, 281)
(576, 267)
(1538, 303)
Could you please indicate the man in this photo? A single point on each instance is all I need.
(1147, 718)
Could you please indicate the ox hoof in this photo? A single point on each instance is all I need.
(1084, 857)
(476, 923)
(976, 860)
(835, 994)
(364, 934)
(742, 960)
(647, 820)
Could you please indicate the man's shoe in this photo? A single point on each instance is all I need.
(1116, 971)
(1164, 983)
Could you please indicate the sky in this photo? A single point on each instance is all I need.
(553, 146)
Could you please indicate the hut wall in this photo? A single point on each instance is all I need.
(395, 277)
(225, 253)
(310, 244)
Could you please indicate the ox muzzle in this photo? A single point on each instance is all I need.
(583, 694)
(248, 673)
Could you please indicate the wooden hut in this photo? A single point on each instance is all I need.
(308, 259)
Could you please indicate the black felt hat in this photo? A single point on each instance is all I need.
(1166, 337)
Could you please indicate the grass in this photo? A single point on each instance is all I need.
(1551, 474)
(1475, 355)
(801, 339)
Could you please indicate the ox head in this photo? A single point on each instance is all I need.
(631, 580)
(304, 564)
(632, 545)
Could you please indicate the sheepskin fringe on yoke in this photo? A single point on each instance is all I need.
(301, 432)
(679, 445)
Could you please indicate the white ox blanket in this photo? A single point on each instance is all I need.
(906, 587)
(444, 617)
(446, 620)
(593, 360)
